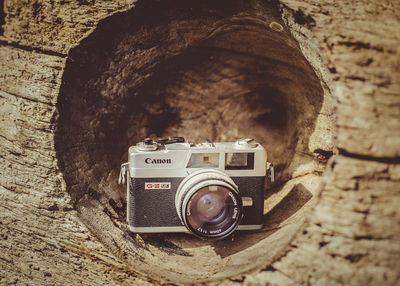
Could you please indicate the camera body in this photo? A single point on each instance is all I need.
(210, 189)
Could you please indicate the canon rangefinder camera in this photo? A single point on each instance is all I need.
(208, 189)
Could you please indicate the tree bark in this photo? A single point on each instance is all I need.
(351, 235)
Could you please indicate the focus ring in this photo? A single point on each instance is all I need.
(197, 188)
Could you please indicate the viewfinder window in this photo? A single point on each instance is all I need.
(201, 160)
(239, 161)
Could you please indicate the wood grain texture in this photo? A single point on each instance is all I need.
(188, 73)
(55, 27)
(360, 48)
(35, 210)
(350, 237)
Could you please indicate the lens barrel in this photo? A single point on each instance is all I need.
(208, 204)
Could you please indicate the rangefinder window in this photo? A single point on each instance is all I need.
(201, 160)
(239, 161)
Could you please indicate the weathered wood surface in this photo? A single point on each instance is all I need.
(35, 210)
(188, 73)
(352, 235)
(55, 26)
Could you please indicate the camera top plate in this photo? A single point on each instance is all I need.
(175, 157)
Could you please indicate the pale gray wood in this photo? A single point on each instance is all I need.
(350, 237)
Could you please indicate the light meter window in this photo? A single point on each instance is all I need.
(239, 161)
(201, 160)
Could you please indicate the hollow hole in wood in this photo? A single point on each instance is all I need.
(202, 70)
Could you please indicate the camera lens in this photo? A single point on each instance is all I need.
(209, 204)
(211, 209)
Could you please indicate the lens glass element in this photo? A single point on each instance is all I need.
(213, 211)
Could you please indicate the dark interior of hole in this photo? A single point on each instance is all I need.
(199, 69)
(2, 17)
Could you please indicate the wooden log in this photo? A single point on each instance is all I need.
(57, 227)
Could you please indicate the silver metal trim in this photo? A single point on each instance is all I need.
(247, 201)
(158, 229)
(151, 146)
(122, 173)
(250, 226)
(246, 143)
(183, 229)
(180, 154)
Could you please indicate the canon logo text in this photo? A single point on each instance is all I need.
(157, 161)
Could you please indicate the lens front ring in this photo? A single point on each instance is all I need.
(208, 204)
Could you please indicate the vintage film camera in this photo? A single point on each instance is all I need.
(209, 189)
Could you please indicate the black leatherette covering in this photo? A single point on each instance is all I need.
(156, 208)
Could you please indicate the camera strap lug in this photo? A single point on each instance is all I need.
(270, 172)
(122, 173)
